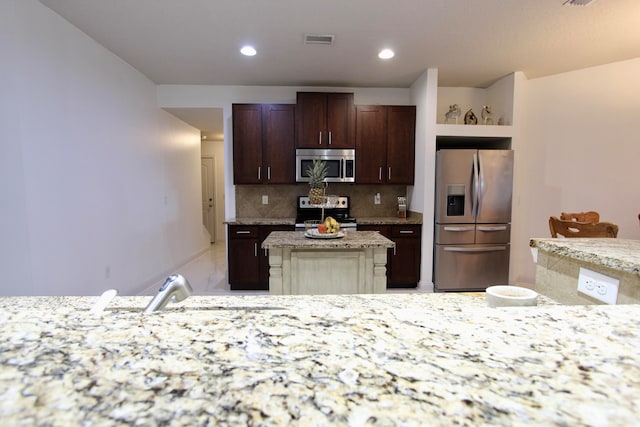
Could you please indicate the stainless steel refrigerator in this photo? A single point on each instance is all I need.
(473, 219)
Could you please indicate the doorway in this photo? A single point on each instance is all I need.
(208, 196)
(211, 125)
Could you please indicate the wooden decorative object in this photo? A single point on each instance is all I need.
(591, 217)
(581, 229)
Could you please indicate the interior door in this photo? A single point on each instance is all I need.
(208, 205)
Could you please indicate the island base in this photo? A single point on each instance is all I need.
(324, 271)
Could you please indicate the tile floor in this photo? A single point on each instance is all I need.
(207, 275)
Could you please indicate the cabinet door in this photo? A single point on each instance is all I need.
(265, 230)
(401, 125)
(278, 144)
(243, 256)
(371, 142)
(340, 129)
(325, 120)
(404, 265)
(247, 143)
(311, 119)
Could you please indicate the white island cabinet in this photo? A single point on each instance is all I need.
(352, 264)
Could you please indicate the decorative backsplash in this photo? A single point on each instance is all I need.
(283, 199)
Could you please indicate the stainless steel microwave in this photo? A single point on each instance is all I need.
(341, 164)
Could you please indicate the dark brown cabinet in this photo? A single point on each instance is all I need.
(385, 144)
(263, 143)
(403, 263)
(249, 264)
(325, 120)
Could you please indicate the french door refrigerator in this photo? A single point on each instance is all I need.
(472, 220)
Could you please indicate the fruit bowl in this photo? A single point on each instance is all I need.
(315, 234)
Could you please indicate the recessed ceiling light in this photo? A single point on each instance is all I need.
(248, 51)
(386, 54)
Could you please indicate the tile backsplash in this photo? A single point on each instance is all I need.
(283, 199)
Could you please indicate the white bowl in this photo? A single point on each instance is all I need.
(510, 296)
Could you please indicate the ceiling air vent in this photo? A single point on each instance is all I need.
(577, 2)
(319, 39)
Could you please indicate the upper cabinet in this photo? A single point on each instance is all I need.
(325, 120)
(499, 98)
(263, 143)
(385, 144)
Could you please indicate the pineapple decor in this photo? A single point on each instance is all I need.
(317, 174)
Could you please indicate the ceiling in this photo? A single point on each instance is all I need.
(471, 42)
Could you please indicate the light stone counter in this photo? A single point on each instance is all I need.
(261, 221)
(390, 220)
(401, 359)
(559, 262)
(353, 264)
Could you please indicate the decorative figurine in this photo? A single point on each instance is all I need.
(470, 118)
(453, 113)
(486, 115)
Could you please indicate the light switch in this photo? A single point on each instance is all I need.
(265, 199)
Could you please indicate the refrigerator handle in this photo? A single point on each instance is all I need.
(475, 249)
(480, 184)
(458, 228)
(492, 228)
(474, 187)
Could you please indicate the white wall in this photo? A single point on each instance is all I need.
(100, 187)
(580, 150)
(424, 94)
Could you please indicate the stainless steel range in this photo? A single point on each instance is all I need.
(306, 211)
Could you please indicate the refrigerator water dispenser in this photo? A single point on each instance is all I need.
(455, 199)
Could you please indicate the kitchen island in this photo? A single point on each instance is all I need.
(397, 359)
(559, 262)
(352, 264)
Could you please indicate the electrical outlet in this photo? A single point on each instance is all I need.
(265, 199)
(376, 199)
(599, 286)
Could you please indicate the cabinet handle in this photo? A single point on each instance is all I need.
(255, 249)
(380, 174)
(329, 137)
(389, 174)
(320, 138)
(406, 231)
(243, 232)
(269, 173)
(259, 172)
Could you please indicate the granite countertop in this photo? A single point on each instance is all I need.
(415, 219)
(618, 254)
(395, 359)
(352, 240)
(392, 220)
(261, 221)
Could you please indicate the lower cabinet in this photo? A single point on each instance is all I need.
(248, 263)
(403, 265)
